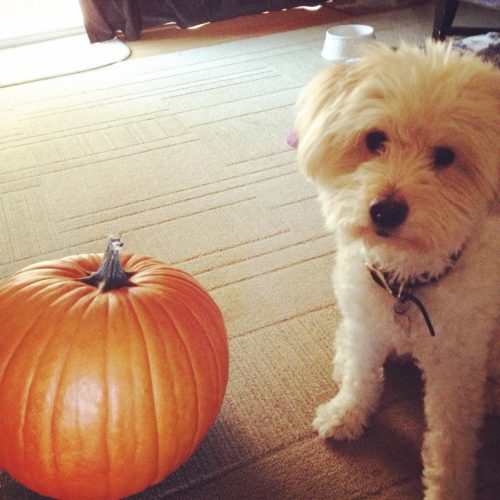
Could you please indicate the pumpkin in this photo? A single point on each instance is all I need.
(112, 371)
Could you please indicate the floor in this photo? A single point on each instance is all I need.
(170, 38)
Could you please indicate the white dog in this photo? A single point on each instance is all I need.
(403, 147)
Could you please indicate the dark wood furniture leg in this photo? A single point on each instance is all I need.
(444, 14)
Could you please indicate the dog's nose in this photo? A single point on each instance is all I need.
(388, 213)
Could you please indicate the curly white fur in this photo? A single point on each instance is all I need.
(421, 100)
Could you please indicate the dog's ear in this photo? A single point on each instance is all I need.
(319, 102)
(488, 92)
(479, 81)
(317, 94)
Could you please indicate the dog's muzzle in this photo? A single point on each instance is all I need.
(388, 213)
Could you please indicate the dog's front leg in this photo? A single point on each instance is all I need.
(454, 409)
(358, 369)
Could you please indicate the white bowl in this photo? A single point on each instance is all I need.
(343, 42)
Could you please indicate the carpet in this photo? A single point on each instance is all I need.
(61, 56)
(185, 156)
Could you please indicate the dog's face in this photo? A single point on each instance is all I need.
(403, 146)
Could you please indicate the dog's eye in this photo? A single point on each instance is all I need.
(375, 141)
(443, 157)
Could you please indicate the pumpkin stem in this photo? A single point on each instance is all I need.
(110, 274)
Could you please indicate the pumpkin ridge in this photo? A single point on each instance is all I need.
(130, 374)
(36, 318)
(184, 288)
(42, 271)
(221, 333)
(192, 446)
(109, 296)
(167, 376)
(21, 340)
(29, 395)
(180, 457)
(107, 400)
(201, 293)
(7, 365)
(76, 263)
(132, 307)
(39, 289)
(209, 340)
(84, 309)
(33, 376)
(193, 288)
(180, 277)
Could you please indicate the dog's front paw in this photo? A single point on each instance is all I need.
(339, 421)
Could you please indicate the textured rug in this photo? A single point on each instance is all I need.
(61, 56)
(184, 155)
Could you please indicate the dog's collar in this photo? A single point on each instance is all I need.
(403, 290)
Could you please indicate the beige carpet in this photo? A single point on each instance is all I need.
(184, 155)
(62, 56)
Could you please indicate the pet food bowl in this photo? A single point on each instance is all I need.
(343, 43)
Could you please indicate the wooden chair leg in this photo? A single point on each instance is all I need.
(444, 14)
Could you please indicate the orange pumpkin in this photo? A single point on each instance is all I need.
(108, 382)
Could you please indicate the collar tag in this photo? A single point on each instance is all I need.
(401, 292)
